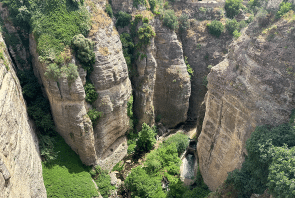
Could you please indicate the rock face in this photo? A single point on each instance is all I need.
(20, 161)
(162, 87)
(253, 86)
(104, 144)
(172, 86)
(202, 50)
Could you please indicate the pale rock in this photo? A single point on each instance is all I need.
(253, 86)
(20, 160)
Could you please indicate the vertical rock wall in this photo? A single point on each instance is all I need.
(253, 86)
(172, 86)
(20, 161)
(104, 144)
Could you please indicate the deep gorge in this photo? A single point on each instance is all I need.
(119, 87)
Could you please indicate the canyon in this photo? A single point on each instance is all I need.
(237, 84)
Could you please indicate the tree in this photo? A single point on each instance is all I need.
(232, 7)
(215, 28)
(146, 138)
(232, 25)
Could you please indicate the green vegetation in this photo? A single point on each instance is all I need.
(189, 69)
(232, 7)
(94, 115)
(109, 10)
(236, 34)
(232, 25)
(180, 140)
(84, 51)
(136, 3)
(103, 181)
(146, 139)
(131, 136)
(145, 33)
(162, 163)
(119, 166)
(215, 28)
(170, 20)
(123, 19)
(153, 4)
(284, 8)
(91, 95)
(53, 22)
(66, 176)
(269, 164)
(183, 23)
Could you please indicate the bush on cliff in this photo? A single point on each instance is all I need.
(215, 28)
(84, 51)
(123, 19)
(232, 7)
(109, 10)
(91, 94)
(284, 8)
(232, 25)
(184, 24)
(170, 20)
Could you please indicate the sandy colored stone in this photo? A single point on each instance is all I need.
(104, 144)
(253, 86)
(20, 161)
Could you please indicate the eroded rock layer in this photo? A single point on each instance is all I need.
(253, 86)
(105, 143)
(20, 161)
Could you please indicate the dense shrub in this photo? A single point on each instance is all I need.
(153, 4)
(215, 28)
(143, 185)
(184, 24)
(52, 71)
(261, 167)
(180, 140)
(123, 19)
(94, 115)
(146, 138)
(232, 7)
(145, 33)
(84, 51)
(284, 8)
(91, 94)
(109, 10)
(281, 172)
(170, 20)
(232, 25)
(70, 71)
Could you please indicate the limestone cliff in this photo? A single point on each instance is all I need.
(104, 144)
(20, 161)
(253, 86)
(162, 86)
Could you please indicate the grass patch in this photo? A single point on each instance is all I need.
(66, 176)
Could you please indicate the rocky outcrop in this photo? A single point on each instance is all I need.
(20, 161)
(253, 86)
(202, 50)
(144, 87)
(105, 143)
(162, 85)
(172, 86)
